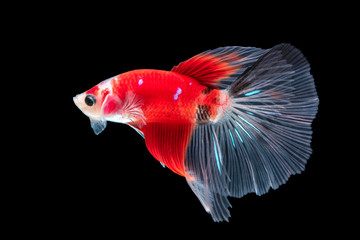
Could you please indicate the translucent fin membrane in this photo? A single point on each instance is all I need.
(218, 67)
(203, 172)
(264, 136)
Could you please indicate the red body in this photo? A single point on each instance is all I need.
(168, 97)
(173, 102)
(170, 106)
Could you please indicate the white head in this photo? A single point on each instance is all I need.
(91, 104)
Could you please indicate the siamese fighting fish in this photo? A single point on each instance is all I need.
(231, 121)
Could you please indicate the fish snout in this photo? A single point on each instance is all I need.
(79, 101)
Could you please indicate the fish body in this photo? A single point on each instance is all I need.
(232, 120)
(167, 97)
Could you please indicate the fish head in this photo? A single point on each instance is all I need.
(90, 103)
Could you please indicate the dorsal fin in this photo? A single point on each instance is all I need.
(218, 68)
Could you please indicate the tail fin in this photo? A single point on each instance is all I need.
(263, 138)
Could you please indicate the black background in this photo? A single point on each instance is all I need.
(110, 183)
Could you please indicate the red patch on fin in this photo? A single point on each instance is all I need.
(209, 68)
(167, 142)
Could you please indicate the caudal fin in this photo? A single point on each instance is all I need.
(264, 136)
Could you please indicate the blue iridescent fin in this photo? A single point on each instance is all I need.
(264, 136)
(98, 125)
(205, 173)
(275, 102)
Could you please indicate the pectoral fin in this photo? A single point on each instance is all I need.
(98, 125)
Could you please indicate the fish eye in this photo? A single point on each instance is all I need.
(90, 100)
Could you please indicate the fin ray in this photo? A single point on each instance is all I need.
(205, 173)
(167, 142)
(98, 125)
(263, 137)
(219, 67)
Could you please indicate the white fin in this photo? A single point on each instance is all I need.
(128, 111)
(131, 109)
(98, 125)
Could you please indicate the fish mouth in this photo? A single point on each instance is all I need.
(79, 103)
(76, 101)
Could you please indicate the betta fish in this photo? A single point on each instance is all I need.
(231, 121)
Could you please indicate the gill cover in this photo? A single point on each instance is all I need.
(109, 106)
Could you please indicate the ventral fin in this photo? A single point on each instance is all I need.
(167, 142)
(98, 125)
(218, 68)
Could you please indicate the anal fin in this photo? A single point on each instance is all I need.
(167, 142)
